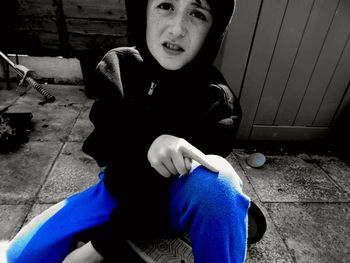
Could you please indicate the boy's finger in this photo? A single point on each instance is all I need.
(162, 170)
(179, 164)
(188, 163)
(195, 154)
(169, 165)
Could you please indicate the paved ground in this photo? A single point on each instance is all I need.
(305, 196)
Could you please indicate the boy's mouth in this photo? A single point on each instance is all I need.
(173, 49)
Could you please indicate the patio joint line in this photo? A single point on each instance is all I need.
(330, 177)
(35, 198)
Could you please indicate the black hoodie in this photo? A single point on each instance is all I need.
(138, 101)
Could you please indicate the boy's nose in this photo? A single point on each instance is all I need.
(178, 26)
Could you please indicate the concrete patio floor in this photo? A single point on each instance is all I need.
(304, 195)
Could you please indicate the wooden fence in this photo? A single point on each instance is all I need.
(62, 27)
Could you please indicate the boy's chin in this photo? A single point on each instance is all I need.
(171, 66)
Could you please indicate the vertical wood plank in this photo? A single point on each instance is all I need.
(236, 47)
(335, 91)
(326, 64)
(310, 48)
(292, 30)
(265, 38)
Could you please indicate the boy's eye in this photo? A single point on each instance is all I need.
(199, 15)
(166, 6)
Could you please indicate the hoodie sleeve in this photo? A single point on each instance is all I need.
(106, 114)
(215, 132)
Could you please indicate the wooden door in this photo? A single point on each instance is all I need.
(289, 63)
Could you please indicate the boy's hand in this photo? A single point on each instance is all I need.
(171, 155)
(84, 254)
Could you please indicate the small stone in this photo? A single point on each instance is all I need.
(256, 160)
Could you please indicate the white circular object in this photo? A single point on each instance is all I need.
(256, 160)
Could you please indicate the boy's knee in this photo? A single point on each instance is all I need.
(208, 189)
(208, 194)
(203, 186)
(226, 171)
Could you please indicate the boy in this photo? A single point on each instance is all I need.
(161, 104)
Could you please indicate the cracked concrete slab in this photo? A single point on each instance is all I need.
(8, 97)
(83, 126)
(314, 232)
(11, 219)
(270, 249)
(339, 171)
(73, 171)
(52, 121)
(23, 172)
(291, 179)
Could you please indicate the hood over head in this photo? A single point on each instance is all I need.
(222, 11)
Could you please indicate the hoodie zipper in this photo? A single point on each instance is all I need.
(151, 89)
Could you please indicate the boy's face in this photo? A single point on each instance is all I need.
(176, 30)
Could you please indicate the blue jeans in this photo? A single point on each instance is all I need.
(208, 205)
